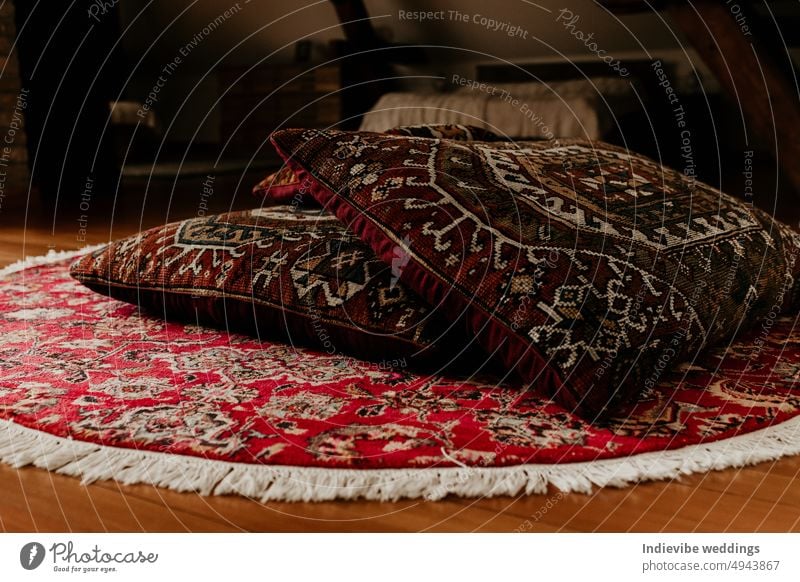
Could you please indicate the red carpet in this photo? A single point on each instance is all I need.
(89, 387)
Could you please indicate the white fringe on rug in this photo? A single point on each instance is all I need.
(51, 257)
(21, 446)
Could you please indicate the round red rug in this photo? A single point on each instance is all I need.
(90, 387)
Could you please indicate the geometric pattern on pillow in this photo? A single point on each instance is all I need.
(283, 186)
(588, 269)
(297, 274)
(452, 131)
(278, 187)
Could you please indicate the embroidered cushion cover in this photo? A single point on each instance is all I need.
(282, 273)
(446, 131)
(587, 269)
(283, 186)
(279, 188)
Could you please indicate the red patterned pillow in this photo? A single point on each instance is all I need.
(283, 186)
(588, 269)
(279, 188)
(446, 131)
(297, 274)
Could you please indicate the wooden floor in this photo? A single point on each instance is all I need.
(765, 497)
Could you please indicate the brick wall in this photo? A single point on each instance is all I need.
(13, 102)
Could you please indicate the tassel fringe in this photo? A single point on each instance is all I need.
(21, 446)
(51, 257)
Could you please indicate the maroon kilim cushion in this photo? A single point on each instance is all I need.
(446, 131)
(278, 188)
(299, 274)
(586, 268)
(284, 187)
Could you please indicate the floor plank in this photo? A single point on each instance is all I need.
(252, 515)
(36, 500)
